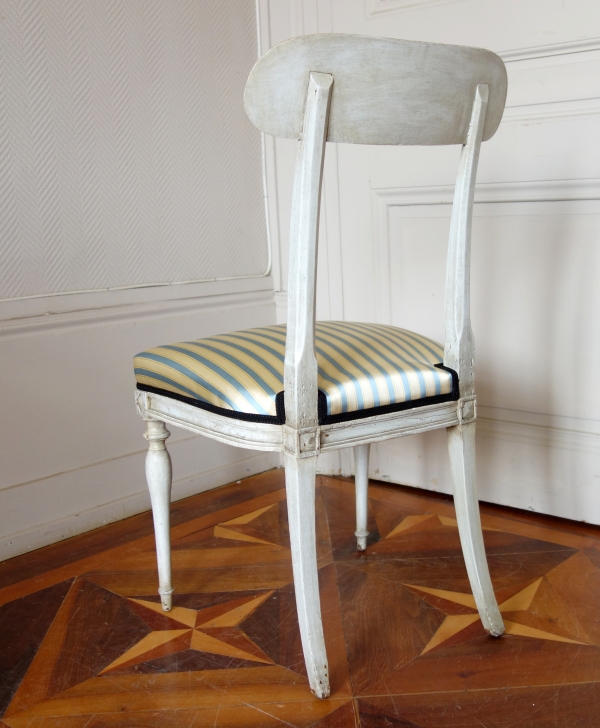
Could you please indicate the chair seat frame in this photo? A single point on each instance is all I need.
(322, 438)
(301, 439)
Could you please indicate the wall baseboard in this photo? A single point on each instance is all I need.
(72, 446)
(530, 428)
(524, 460)
(101, 476)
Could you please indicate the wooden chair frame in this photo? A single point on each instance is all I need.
(301, 438)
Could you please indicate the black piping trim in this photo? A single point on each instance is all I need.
(454, 375)
(324, 418)
(232, 414)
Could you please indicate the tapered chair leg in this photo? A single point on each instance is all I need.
(461, 446)
(158, 475)
(300, 475)
(361, 487)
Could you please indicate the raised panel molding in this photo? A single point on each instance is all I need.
(531, 428)
(575, 51)
(74, 368)
(375, 8)
(495, 192)
(54, 314)
(552, 110)
(535, 56)
(523, 427)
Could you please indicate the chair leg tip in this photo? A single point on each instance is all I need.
(166, 600)
(495, 625)
(497, 631)
(361, 540)
(319, 682)
(322, 692)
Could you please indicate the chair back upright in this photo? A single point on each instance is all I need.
(362, 90)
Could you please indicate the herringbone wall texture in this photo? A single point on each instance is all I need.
(125, 154)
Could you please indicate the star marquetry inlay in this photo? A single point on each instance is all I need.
(214, 629)
(238, 529)
(516, 608)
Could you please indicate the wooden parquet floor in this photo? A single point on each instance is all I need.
(84, 643)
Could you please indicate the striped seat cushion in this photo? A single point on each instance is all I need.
(364, 369)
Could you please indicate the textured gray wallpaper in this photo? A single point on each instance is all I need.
(125, 154)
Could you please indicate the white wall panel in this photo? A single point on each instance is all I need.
(125, 154)
(71, 441)
(126, 161)
(535, 243)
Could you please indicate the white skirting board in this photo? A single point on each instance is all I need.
(522, 462)
(71, 441)
(69, 510)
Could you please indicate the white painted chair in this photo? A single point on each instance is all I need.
(360, 383)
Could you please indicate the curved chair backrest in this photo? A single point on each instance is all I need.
(361, 90)
(386, 91)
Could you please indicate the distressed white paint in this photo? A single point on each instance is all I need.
(461, 448)
(300, 478)
(301, 438)
(361, 484)
(159, 475)
(423, 101)
(459, 351)
(323, 438)
(300, 370)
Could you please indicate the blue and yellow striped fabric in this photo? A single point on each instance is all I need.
(361, 366)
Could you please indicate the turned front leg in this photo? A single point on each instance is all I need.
(158, 475)
(361, 486)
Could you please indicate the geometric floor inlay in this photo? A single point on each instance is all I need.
(456, 625)
(214, 630)
(85, 643)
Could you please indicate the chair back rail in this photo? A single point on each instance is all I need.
(300, 369)
(459, 352)
(362, 90)
(387, 91)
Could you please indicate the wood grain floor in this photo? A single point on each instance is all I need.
(84, 643)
